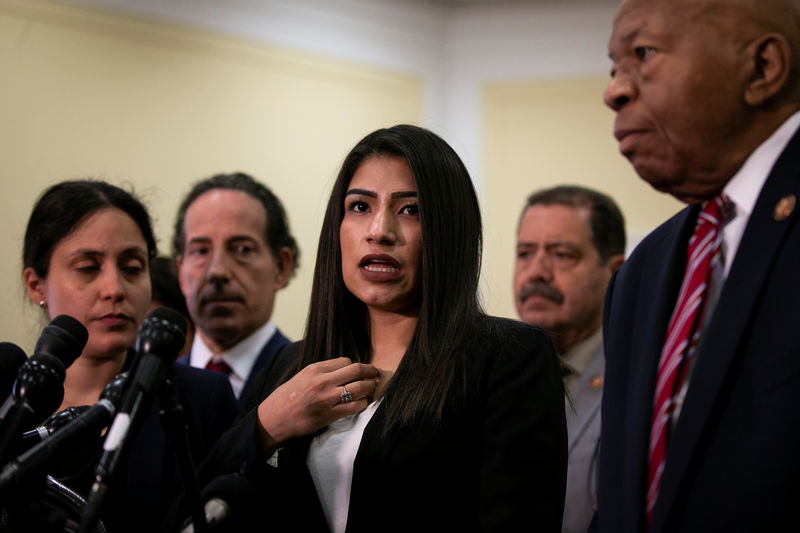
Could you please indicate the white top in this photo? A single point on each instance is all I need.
(330, 461)
(240, 358)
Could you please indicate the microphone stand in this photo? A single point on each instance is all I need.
(173, 419)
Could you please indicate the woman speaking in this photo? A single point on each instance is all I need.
(404, 407)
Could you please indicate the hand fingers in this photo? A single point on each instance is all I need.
(331, 365)
(353, 372)
(355, 390)
(341, 410)
(342, 369)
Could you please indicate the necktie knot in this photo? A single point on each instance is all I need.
(714, 214)
(219, 365)
(717, 211)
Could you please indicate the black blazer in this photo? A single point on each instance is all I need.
(733, 461)
(497, 462)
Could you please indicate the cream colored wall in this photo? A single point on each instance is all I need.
(88, 93)
(544, 133)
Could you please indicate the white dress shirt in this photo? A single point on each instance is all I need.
(240, 357)
(743, 190)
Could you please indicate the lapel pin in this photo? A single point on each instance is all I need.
(784, 207)
(596, 382)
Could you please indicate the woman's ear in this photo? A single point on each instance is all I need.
(35, 286)
(770, 63)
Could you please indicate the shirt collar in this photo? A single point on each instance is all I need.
(577, 358)
(241, 357)
(746, 184)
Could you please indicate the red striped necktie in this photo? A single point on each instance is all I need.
(682, 336)
(220, 366)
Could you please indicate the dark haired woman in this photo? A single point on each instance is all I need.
(449, 419)
(88, 246)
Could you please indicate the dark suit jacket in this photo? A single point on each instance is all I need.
(497, 462)
(733, 461)
(273, 344)
(140, 493)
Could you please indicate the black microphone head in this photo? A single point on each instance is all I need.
(239, 494)
(163, 333)
(12, 357)
(114, 388)
(40, 384)
(64, 337)
(64, 417)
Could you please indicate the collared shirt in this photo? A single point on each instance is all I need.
(743, 190)
(578, 357)
(745, 186)
(240, 357)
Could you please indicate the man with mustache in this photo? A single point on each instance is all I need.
(570, 241)
(701, 411)
(234, 252)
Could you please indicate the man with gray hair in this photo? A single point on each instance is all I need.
(234, 253)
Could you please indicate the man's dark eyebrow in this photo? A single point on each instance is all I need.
(632, 34)
(628, 37)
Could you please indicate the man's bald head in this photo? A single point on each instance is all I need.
(698, 85)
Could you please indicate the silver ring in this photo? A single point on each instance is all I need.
(346, 396)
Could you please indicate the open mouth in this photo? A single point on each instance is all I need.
(380, 268)
(379, 264)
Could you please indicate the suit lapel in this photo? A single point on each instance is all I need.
(276, 341)
(656, 292)
(760, 244)
(300, 490)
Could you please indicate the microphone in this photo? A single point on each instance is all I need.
(11, 359)
(91, 420)
(64, 338)
(39, 388)
(229, 501)
(62, 418)
(161, 336)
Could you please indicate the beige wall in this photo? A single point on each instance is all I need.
(87, 93)
(157, 106)
(545, 133)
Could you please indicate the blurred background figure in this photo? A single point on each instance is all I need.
(570, 241)
(166, 291)
(234, 252)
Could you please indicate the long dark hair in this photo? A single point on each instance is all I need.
(64, 205)
(451, 259)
